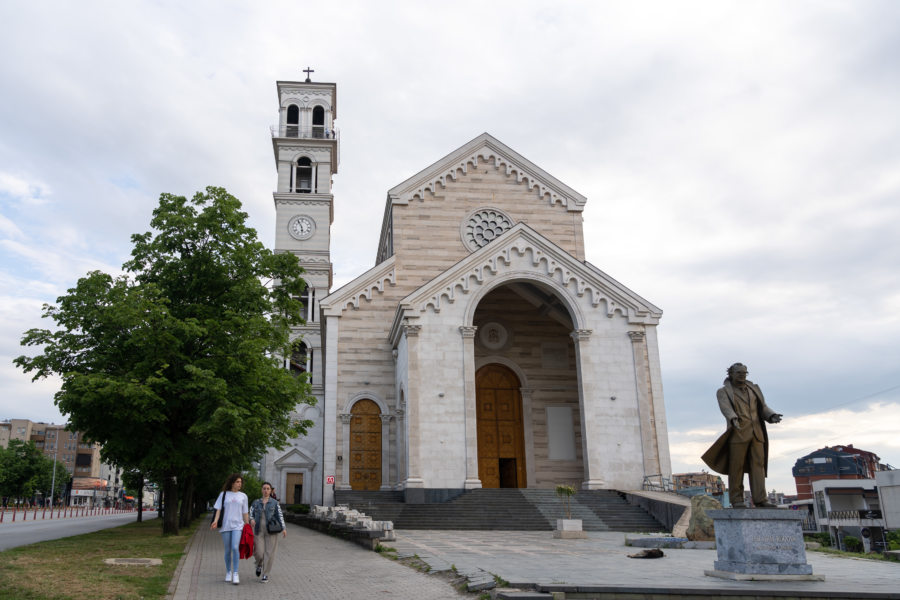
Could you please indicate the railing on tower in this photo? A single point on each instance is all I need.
(316, 132)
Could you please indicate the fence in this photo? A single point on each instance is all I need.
(62, 512)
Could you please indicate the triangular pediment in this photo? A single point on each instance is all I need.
(546, 261)
(295, 458)
(365, 286)
(487, 148)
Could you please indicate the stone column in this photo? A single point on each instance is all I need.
(646, 416)
(528, 427)
(414, 477)
(400, 414)
(386, 451)
(587, 392)
(470, 409)
(345, 462)
(329, 409)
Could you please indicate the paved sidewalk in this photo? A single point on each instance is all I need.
(601, 560)
(312, 565)
(309, 565)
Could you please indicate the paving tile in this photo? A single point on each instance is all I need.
(601, 560)
(314, 565)
(309, 564)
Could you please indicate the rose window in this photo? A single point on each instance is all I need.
(484, 226)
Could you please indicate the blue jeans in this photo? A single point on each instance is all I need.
(231, 539)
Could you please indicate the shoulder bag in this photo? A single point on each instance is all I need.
(221, 513)
(273, 523)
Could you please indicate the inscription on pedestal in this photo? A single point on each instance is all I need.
(760, 544)
(774, 543)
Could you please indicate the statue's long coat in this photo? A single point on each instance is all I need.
(717, 455)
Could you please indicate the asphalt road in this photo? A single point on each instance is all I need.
(22, 533)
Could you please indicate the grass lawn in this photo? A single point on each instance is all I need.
(73, 568)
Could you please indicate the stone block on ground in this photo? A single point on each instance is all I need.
(700, 528)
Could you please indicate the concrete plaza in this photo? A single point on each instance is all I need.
(317, 566)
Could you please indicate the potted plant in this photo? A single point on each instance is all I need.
(567, 528)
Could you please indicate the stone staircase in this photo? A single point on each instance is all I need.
(504, 509)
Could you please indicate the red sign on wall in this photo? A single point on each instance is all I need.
(329, 480)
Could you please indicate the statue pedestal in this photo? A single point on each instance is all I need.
(764, 544)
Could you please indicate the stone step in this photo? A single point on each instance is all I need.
(522, 595)
(505, 509)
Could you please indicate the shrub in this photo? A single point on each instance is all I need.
(565, 492)
(893, 539)
(301, 509)
(853, 544)
(823, 537)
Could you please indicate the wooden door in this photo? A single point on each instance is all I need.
(501, 443)
(293, 493)
(365, 446)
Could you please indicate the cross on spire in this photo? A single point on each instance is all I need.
(307, 70)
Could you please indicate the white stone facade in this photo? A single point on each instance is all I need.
(480, 269)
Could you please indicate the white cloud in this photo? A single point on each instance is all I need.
(21, 190)
(10, 229)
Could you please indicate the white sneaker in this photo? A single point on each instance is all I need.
(236, 579)
(228, 577)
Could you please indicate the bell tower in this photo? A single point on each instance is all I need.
(306, 147)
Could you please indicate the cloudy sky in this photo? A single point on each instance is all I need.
(741, 162)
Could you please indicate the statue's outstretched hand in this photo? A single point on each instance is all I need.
(776, 418)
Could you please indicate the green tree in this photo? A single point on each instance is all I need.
(24, 470)
(44, 478)
(175, 367)
(252, 485)
(134, 482)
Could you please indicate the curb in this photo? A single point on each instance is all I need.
(176, 576)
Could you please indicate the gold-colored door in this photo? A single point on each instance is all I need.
(293, 493)
(365, 446)
(501, 443)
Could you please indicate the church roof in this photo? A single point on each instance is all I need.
(363, 287)
(488, 148)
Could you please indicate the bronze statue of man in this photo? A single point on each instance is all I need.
(744, 447)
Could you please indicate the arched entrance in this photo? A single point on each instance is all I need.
(365, 446)
(501, 445)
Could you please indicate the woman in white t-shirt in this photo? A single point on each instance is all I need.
(232, 512)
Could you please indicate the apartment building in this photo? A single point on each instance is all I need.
(93, 482)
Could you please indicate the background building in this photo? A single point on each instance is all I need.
(834, 462)
(94, 483)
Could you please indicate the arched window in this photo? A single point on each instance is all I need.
(293, 121)
(318, 122)
(300, 359)
(303, 176)
(308, 298)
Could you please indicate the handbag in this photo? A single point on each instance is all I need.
(221, 513)
(273, 523)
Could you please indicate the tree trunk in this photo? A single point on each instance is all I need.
(170, 493)
(187, 502)
(140, 500)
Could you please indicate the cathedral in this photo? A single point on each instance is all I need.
(481, 350)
